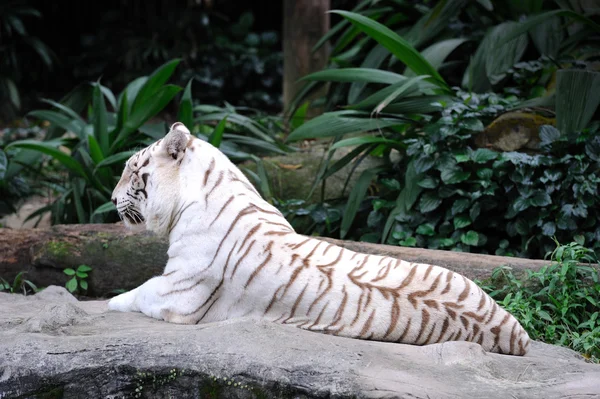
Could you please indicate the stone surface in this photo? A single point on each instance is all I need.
(57, 348)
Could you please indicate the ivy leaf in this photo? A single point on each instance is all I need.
(69, 272)
(83, 284)
(520, 204)
(475, 211)
(459, 206)
(409, 242)
(548, 134)
(429, 202)
(423, 164)
(483, 155)
(84, 268)
(461, 158)
(522, 227)
(428, 182)
(426, 229)
(472, 124)
(461, 221)
(548, 229)
(540, 198)
(453, 176)
(470, 238)
(485, 174)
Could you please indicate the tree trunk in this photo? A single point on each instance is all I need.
(304, 23)
(121, 259)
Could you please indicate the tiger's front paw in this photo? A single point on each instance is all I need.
(125, 302)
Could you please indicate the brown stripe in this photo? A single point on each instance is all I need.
(393, 319)
(296, 303)
(513, 337)
(319, 317)
(219, 181)
(481, 302)
(424, 323)
(419, 294)
(443, 330)
(406, 329)
(262, 265)
(241, 258)
(209, 171)
(250, 234)
(449, 277)
(431, 303)
(273, 299)
(427, 272)
(367, 324)
(465, 293)
(222, 209)
(430, 334)
(408, 279)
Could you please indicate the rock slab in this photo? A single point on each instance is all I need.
(52, 346)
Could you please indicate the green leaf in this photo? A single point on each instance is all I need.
(540, 198)
(418, 105)
(141, 114)
(185, 114)
(401, 48)
(470, 238)
(426, 229)
(549, 229)
(485, 174)
(50, 148)
(153, 85)
(428, 182)
(454, 175)
(240, 120)
(429, 202)
(366, 75)
(299, 116)
(461, 221)
(472, 124)
(548, 134)
(576, 99)
(69, 272)
(83, 284)
(356, 197)
(483, 155)
(548, 37)
(336, 123)
(409, 242)
(544, 315)
(59, 119)
(116, 158)
(388, 93)
(460, 205)
(367, 140)
(71, 285)
(104, 208)
(84, 268)
(437, 53)
(100, 122)
(398, 92)
(217, 134)
(3, 164)
(345, 160)
(503, 53)
(81, 274)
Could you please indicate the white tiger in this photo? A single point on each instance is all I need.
(232, 254)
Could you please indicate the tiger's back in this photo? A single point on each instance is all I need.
(232, 255)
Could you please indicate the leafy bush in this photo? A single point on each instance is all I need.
(78, 278)
(557, 304)
(90, 152)
(19, 285)
(452, 195)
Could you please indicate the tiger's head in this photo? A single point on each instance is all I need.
(149, 186)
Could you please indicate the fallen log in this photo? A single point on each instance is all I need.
(122, 259)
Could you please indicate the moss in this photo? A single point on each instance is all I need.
(59, 249)
(49, 393)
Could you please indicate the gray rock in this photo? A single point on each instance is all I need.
(81, 350)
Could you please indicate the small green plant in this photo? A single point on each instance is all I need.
(19, 285)
(78, 278)
(559, 304)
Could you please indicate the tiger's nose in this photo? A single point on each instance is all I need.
(114, 201)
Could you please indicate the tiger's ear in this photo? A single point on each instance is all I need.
(175, 142)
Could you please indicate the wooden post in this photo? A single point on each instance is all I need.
(304, 23)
